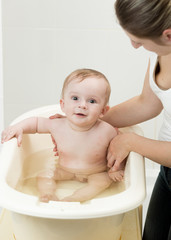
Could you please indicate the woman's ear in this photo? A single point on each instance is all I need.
(167, 35)
(62, 105)
(104, 111)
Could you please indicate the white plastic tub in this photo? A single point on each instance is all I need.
(100, 218)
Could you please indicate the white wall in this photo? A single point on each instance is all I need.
(44, 40)
(1, 79)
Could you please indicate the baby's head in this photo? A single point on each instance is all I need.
(82, 74)
(85, 96)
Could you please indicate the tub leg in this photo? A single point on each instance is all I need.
(131, 229)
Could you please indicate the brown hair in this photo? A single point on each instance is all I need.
(144, 18)
(82, 74)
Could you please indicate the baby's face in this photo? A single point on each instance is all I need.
(84, 102)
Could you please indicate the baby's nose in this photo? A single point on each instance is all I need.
(83, 105)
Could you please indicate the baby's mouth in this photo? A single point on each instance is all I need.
(80, 114)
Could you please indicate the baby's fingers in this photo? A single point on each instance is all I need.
(19, 140)
(6, 135)
(9, 134)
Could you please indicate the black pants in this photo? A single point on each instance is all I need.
(158, 220)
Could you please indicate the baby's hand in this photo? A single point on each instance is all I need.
(10, 132)
(116, 175)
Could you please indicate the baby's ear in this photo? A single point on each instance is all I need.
(62, 105)
(104, 111)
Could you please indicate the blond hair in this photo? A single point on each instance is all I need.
(144, 18)
(82, 74)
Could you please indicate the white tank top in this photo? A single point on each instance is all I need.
(165, 98)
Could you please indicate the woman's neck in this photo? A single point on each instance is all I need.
(163, 77)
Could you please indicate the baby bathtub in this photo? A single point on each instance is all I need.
(100, 218)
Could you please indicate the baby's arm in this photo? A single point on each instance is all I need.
(29, 125)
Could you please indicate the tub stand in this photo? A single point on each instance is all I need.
(131, 229)
(132, 225)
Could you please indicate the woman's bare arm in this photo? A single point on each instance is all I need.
(136, 110)
(123, 144)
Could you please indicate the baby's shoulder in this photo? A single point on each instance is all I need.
(108, 128)
(105, 124)
(57, 122)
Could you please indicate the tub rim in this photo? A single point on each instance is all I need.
(131, 198)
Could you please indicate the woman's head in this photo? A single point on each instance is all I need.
(144, 18)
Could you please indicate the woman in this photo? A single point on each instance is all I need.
(148, 23)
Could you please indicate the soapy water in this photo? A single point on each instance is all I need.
(38, 161)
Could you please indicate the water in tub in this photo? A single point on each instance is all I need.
(36, 162)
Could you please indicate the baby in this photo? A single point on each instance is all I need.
(82, 138)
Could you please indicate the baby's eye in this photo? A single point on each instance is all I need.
(92, 101)
(75, 98)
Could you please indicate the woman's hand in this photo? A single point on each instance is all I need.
(119, 149)
(57, 115)
(55, 149)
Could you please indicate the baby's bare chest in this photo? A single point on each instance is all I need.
(92, 145)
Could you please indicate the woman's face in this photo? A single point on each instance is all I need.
(160, 47)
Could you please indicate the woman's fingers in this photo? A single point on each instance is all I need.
(118, 151)
(110, 159)
(57, 115)
(55, 149)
